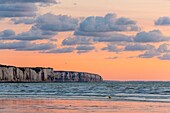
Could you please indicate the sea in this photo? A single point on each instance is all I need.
(107, 90)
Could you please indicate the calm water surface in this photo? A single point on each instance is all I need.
(119, 91)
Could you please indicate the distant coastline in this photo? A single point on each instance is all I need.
(41, 74)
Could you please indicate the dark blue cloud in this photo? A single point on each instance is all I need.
(26, 46)
(138, 47)
(17, 10)
(151, 36)
(32, 34)
(149, 54)
(163, 21)
(51, 22)
(106, 24)
(26, 1)
(114, 38)
(61, 50)
(112, 48)
(95, 34)
(84, 49)
(112, 58)
(77, 41)
(20, 8)
(163, 48)
(35, 34)
(23, 20)
(165, 57)
(7, 33)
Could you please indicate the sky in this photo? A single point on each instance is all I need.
(118, 39)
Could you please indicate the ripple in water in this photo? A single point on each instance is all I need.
(129, 91)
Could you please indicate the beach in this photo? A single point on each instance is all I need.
(125, 97)
(80, 106)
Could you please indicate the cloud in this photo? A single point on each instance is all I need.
(44, 27)
(114, 38)
(143, 37)
(21, 8)
(165, 57)
(26, 1)
(151, 36)
(95, 34)
(84, 49)
(51, 22)
(108, 23)
(149, 54)
(108, 37)
(23, 20)
(164, 21)
(17, 7)
(112, 58)
(38, 47)
(17, 10)
(61, 50)
(112, 48)
(32, 34)
(138, 47)
(26, 46)
(35, 34)
(77, 41)
(13, 45)
(7, 33)
(163, 48)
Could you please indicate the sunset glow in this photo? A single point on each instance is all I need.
(120, 40)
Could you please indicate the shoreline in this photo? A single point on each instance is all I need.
(74, 106)
(49, 82)
(80, 99)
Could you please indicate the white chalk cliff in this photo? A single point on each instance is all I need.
(40, 74)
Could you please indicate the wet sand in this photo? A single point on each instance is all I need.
(80, 106)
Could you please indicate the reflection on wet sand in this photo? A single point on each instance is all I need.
(74, 106)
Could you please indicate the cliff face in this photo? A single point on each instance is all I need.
(25, 74)
(70, 76)
(39, 74)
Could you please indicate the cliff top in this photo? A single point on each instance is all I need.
(74, 72)
(38, 69)
(26, 67)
